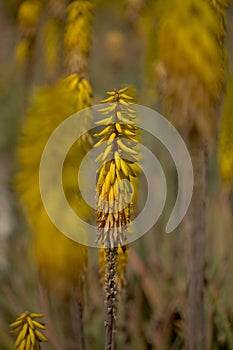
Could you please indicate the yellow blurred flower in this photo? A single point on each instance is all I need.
(61, 261)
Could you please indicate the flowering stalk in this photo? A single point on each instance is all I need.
(114, 192)
(29, 335)
(114, 188)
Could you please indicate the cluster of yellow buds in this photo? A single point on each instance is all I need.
(78, 35)
(118, 167)
(29, 332)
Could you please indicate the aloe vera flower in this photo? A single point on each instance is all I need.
(117, 170)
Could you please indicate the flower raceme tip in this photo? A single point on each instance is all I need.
(115, 184)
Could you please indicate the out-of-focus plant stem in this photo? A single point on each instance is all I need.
(196, 245)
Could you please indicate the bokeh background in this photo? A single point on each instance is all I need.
(124, 52)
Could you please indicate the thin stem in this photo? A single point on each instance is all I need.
(79, 326)
(110, 301)
(196, 242)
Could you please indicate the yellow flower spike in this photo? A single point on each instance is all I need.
(77, 35)
(54, 268)
(29, 336)
(111, 182)
(194, 69)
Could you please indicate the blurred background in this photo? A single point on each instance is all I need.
(152, 310)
